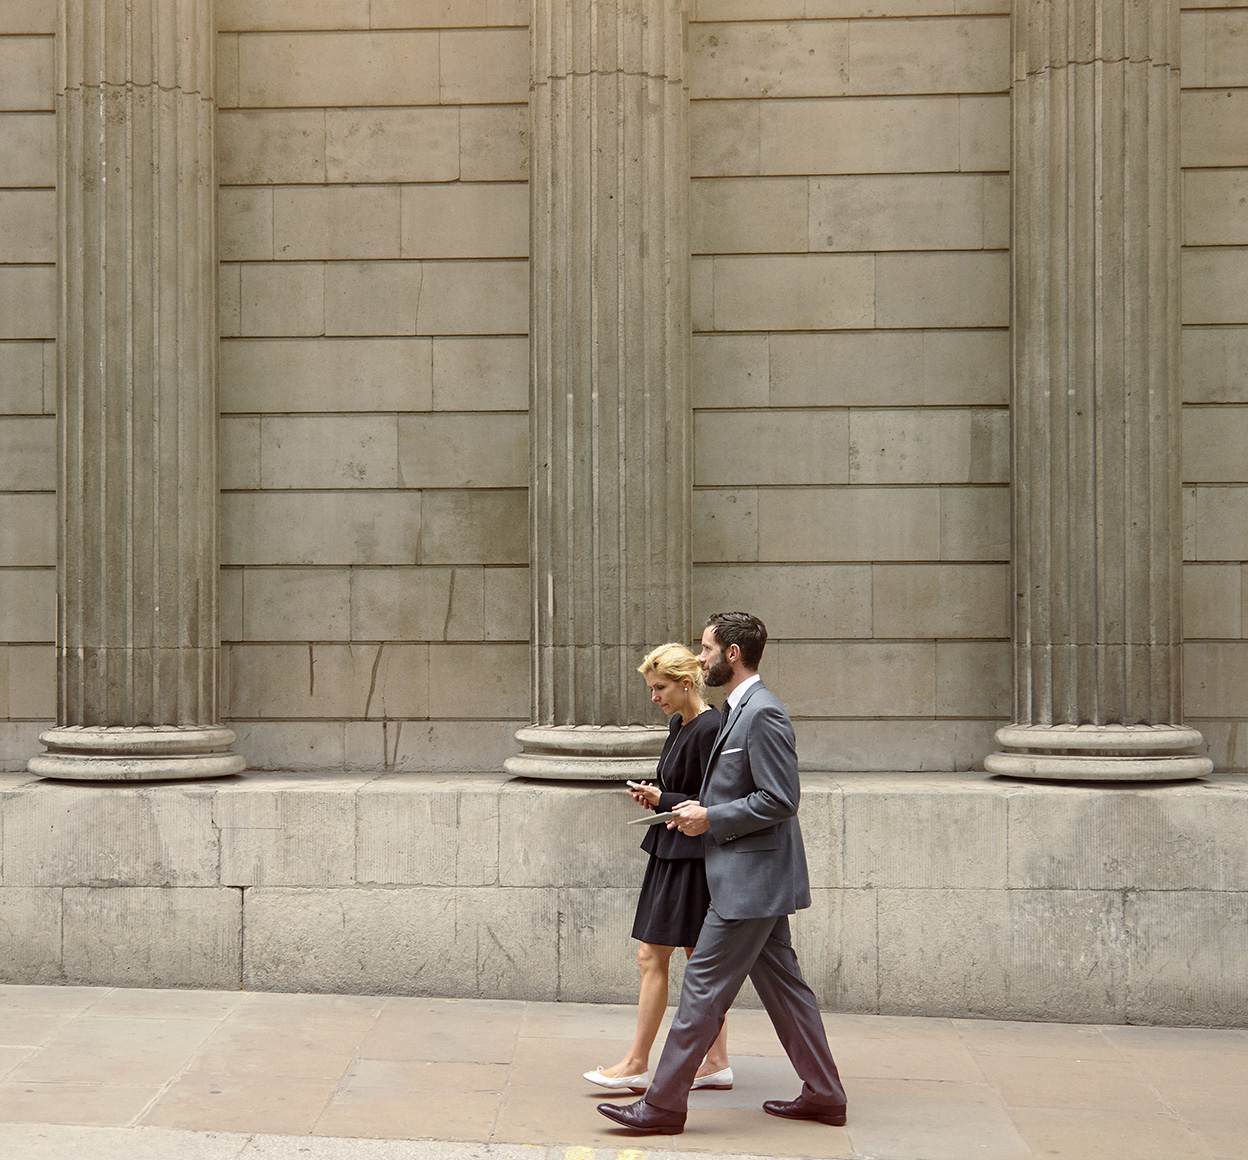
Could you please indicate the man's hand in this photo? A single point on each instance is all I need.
(690, 819)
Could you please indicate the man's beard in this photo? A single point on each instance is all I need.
(720, 672)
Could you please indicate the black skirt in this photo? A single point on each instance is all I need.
(673, 903)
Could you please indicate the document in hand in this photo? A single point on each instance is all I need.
(653, 819)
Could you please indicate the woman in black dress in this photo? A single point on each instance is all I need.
(674, 895)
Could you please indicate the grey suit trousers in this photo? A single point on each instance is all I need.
(728, 951)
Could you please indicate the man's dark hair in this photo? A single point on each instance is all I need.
(747, 632)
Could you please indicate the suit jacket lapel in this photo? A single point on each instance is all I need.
(724, 730)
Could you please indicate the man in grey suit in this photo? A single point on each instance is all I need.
(756, 869)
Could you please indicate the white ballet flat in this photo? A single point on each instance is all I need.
(632, 1083)
(717, 1081)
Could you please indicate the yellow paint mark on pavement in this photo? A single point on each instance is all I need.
(631, 1154)
(578, 1154)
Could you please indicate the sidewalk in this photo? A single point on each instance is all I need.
(113, 1074)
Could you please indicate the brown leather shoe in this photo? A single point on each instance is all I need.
(641, 1118)
(804, 1109)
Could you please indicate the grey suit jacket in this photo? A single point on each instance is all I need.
(755, 859)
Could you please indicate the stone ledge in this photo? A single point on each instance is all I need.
(937, 894)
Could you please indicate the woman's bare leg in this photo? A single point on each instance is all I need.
(717, 1055)
(651, 1007)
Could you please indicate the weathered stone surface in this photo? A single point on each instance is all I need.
(771, 447)
(816, 601)
(846, 524)
(596, 953)
(30, 934)
(153, 936)
(837, 945)
(939, 601)
(854, 678)
(418, 603)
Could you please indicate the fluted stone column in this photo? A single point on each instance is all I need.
(1096, 496)
(137, 409)
(610, 414)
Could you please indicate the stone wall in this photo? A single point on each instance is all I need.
(933, 894)
(850, 230)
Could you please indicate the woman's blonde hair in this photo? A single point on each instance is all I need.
(675, 662)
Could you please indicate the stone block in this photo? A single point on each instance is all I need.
(790, 59)
(1221, 523)
(1214, 127)
(811, 601)
(967, 367)
(984, 134)
(303, 835)
(974, 523)
(152, 937)
(484, 297)
(32, 682)
(794, 292)
(745, 215)
(856, 746)
(29, 17)
(508, 604)
(27, 604)
(428, 13)
(278, 16)
(1215, 207)
(27, 529)
(372, 298)
(1213, 441)
(27, 453)
(1186, 950)
(282, 298)
(297, 604)
(227, 71)
(245, 223)
(327, 527)
(406, 144)
(494, 143)
(837, 948)
(30, 935)
(28, 71)
(284, 745)
(21, 377)
(770, 447)
(463, 450)
(27, 300)
(730, 370)
(414, 834)
(84, 835)
(474, 527)
(940, 600)
(238, 452)
(478, 680)
(230, 597)
(466, 221)
(934, 211)
(725, 525)
(858, 135)
(1178, 837)
(270, 146)
(725, 138)
(942, 290)
(854, 678)
(338, 68)
(485, 66)
(1215, 365)
(897, 833)
(702, 293)
(229, 299)
(326, 374)
(329, 451)
(1215, 285)
(336, 222)
(869, 367)
(466, 942)
(285, 681)
(27, 225)
(823, 831)
(1215, 678)
(1226, 49)
(929, 446)
(1212, 601)
(480, 374)
(849, 523)
(417, 603)
(597, 956)
(938, 55)
(974, 679)
(1192, 48)
(526, 811)
(430, 747)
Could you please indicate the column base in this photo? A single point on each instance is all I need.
(1100, 753)
(588, 752)
(142, 753)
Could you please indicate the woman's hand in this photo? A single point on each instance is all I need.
(645, 794)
